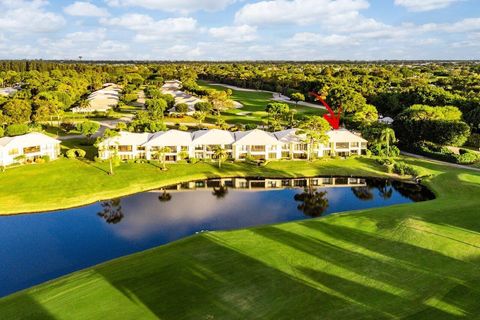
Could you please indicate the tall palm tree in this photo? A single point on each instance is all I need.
(387, 136)
(220, 154)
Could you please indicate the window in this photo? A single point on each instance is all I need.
(183, 148)
(257, 148)
(342, 145)
(354, 144)
(173, 149)
(272, 155)
(34, 149)
(125, 148)
(285, 155)
(13, 152)
(301, 147)
(140, 148)
(199, 147)
(364, 144)
(228, 146)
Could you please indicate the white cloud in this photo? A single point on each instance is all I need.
(425, 5)
(28, 16)
(301, 12)
(85, 9)
(174, 5)
(149, 29)
(312, 39)
(243, 33)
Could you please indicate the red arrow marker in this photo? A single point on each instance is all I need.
(331, 117)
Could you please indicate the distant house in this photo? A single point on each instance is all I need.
(29, 147)
(101, 100)
(173, 88)
(256, 144)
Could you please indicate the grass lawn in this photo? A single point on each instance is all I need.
(254, 103)
(412, 261)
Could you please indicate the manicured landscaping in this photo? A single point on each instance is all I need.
(417, 261)
(254, 104)
(67, 183)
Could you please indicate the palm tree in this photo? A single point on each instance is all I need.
(111, 211)
(220, 192)
(313, 203)
(220, 154)
(387, 136)
(112, 150)
(162, 155)
(165, 196)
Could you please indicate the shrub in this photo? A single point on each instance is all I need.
(39, 160)
(71, 154)
(401, 168)
(46, 158)
(182, 127)
(474, 140)
(80, 153)
(2, 132)
(467, 157)
(16, 129)
(68, 126)
(181, 107)
(193, 160)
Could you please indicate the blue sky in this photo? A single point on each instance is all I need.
(240, 29)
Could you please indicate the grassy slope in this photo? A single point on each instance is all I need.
(417, 261)
(67, 183)
(255, 103)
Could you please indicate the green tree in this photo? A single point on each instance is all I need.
(161, 153)
(297, 97)
(156, 108)
(17, 111)
(113, 159)
(88, 128)
(181, 108)
(315, 129)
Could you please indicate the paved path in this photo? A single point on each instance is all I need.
(454, 165)
(276, 95)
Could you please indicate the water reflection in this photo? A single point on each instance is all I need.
(165, 196)
(40, 247)
(313, 202)
(111, 211)
(386, 189)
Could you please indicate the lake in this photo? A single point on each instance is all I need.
(39, 247)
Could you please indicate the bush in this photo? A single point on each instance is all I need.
(474, 140)
(401, 168)
(46, 158)
(193, 160)
(467, 157)
(71, 154)
(68, 126)
(74, 153)
(39, 161)
(182, 127)
(2, 132)
(181, 107)
(16, 129)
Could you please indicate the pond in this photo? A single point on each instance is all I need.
(39, 247)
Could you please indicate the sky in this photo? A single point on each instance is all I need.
(240, 29)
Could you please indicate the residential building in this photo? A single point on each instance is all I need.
(27, 147)
(256, 144)
(101, 100)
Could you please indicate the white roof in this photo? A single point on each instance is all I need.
(290, 136)
(214, 136)
(255, 137)
(170, 138)
(29, 139)
(127, 138)
(343, 135)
